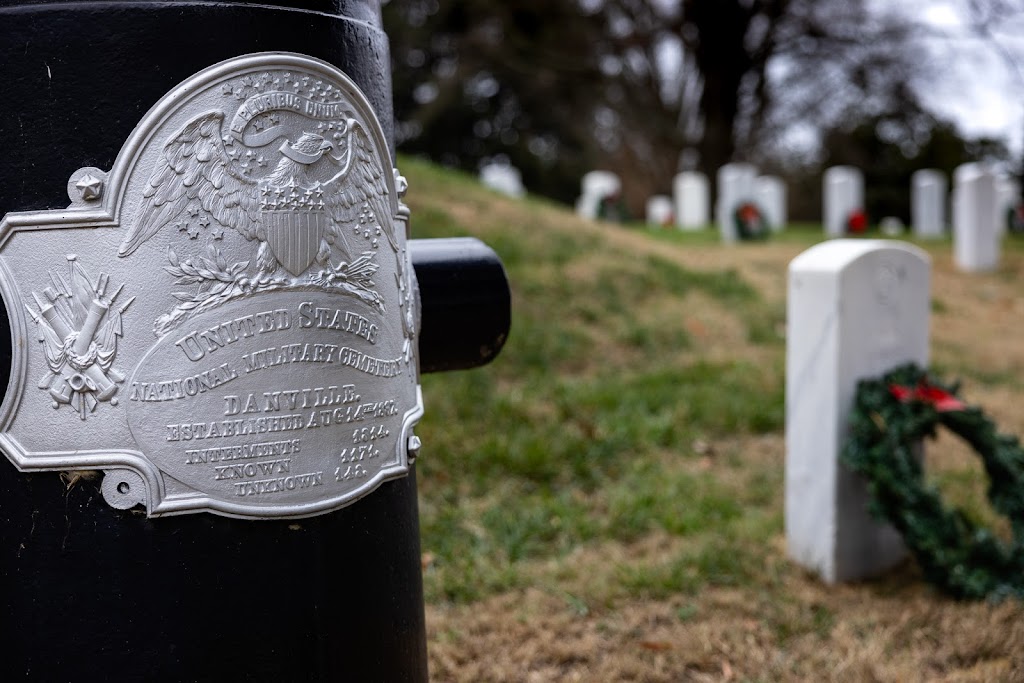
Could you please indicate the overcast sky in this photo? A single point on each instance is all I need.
(980, 90)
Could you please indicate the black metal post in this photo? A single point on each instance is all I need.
(92, 593)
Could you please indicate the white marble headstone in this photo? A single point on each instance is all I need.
(595, 186)
(659, 211)
(976, 232)
(843, 193)
(690, 191)
(1007, 197)
(735, 186)
(503, 178)
(891, 226)
(770, 197)
(928, 203)
(856, 309)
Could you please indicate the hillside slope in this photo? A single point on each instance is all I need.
(604, 501)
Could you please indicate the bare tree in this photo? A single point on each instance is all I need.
(637, 86)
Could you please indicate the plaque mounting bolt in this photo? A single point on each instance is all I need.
(90, 187)
(413, 447)
(123, 489)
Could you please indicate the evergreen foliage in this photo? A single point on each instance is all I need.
(891, 415)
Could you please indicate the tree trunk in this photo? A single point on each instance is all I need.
(723, 60)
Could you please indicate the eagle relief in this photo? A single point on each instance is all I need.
(290, 172)
(267, 364)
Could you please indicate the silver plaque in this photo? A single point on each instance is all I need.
(224, 321)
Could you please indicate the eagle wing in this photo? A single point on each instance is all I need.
(196, 166)
(363, 186)
(368, 189)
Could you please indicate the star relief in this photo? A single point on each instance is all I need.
(89, 186)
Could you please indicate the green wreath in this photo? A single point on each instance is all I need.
(889, 416)
(750, 222)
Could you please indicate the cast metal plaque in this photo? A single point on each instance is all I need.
(224, 321)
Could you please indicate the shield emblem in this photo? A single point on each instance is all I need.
(294, 236)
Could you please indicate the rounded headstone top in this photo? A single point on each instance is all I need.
(503, 178)
(737, 169)
(971, 171)
(601, 183)
(836, 172)
(691, 176)
(838, 254)
(927, 175)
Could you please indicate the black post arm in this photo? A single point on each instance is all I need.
(465, 303)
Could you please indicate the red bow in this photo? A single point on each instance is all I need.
(941, 400)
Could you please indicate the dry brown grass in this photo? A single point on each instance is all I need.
(571, 625)
(855, 633)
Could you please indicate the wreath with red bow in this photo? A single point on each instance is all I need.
(893, 413)
(750, 222)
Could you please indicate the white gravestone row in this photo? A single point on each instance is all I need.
(855, 309)
(659, 211)
(596, 186)
(735, 186)
(843, 194)
(975, 219)
(689, 205)
(770, 198)
(691, 194)
(503, 178)
(928, 203)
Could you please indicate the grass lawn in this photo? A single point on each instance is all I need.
(604, 501)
